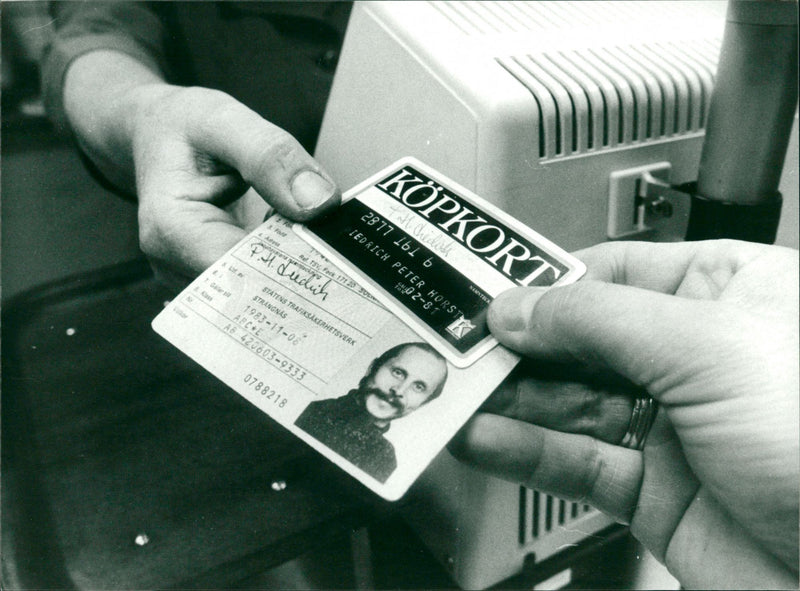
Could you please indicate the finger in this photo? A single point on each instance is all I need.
(249, 211)
(268, 158)
(653, 266)
(181, 231)
(572, 467)
(642, 335)
(600, 408)
(667, 268)
(736, 559)
(186, 236)
(224, 182)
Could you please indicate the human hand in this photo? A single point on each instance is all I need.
(195, 153)
(710, 330)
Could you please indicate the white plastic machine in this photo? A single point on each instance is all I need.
(533, 105)
(552, 110)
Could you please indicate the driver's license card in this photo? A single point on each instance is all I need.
(313, 348)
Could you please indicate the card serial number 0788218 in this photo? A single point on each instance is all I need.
(436, 254)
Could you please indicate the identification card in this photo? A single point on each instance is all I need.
(436, 254)
(303, 342)
(376, 383)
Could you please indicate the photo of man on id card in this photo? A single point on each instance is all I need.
(396, 383)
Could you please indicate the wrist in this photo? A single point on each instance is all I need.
(138, 104)
(104, 93)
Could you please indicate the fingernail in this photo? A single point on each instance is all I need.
(310, 189)
(512, 309)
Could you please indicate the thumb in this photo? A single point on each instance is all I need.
(269, 159)
(642, 335)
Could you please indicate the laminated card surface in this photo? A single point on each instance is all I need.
(436, 254)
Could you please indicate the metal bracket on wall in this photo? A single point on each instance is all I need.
(642, 204)
(655, 200)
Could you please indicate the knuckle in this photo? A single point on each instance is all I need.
(217, 104)
(561, 303)
(561, 306)
(277, 154)
(594, 462)
(591, 404)
(589, 411)
(151, 233)
(470, 439)
(149, 239)
(206, 98)
(567, 317)
(517, 399)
